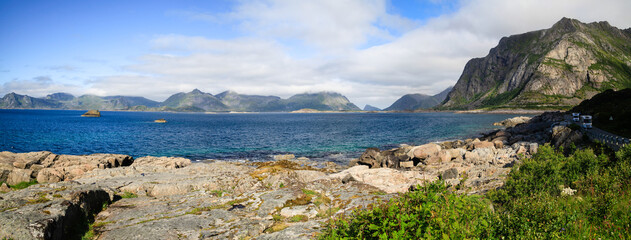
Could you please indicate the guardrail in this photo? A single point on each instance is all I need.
(613, 141)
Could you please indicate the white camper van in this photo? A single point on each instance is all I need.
(586, 121)
(575, 117)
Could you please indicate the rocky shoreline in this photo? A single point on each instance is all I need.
(290, 198)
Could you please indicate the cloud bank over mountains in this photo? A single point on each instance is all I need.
(362, 49)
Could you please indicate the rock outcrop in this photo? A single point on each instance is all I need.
(553, 67)
(288, 199)
(511, 122)
(92, 113)
(49, 167)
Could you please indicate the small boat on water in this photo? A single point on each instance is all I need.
(161, 120)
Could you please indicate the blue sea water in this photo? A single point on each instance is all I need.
(254, 136)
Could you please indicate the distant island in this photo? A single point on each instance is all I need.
(194, 101)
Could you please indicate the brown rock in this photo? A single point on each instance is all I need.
(521, 150)
(49, 160)
(426, 150)
(471, 156)
(370, 158)
(432, 160)
(19, 175)
(457, 152)
(406, 164)
(4, 187)
(501, 139)
(20, 165)
(498, 144)
(444, 155)
(483, 144)
(50, 175)
(450, 174)
(502, 133)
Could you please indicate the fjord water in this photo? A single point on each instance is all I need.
(255, 136)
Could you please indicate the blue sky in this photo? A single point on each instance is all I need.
(371, 51)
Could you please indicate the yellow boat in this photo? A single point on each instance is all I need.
(161, 120)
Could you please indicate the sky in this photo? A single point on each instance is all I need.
(372, 51)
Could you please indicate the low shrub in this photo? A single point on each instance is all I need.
(584, 195)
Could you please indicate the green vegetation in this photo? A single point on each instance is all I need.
(558, 63)
(582, 195)
(23, 185)
(502, 98)
(127, 194)
(299, 218)
(431, 212)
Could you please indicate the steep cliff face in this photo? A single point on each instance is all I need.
(555, 67)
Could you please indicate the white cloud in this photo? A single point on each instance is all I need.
(424, 59)
(38, 87)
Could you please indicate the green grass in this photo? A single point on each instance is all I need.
(127, 194)
(23, 185)
(299, 218)
(531, 205)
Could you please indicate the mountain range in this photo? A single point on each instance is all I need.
(410, 102)
(555, 67)
(194, 101)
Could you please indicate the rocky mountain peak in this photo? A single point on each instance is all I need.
(554, 67)
(197, 91)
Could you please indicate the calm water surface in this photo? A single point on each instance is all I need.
(256, 136)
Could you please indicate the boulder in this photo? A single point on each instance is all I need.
(498, 144)
(451, 173)
(50, 175)
(483, 144)
(433, 160)
(532, 148)
(425, 151)
(19, 175)
(457, 152)
(511, 122)
(4, 187)
(386, 179)
(406, 164)
(370, 158)
(445, 155)
(521, 150)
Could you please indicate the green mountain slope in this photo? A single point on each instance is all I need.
(411, 102)
(250, 103)
(324, 101)
(17, 101)
(557, 67)
(194, 101)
